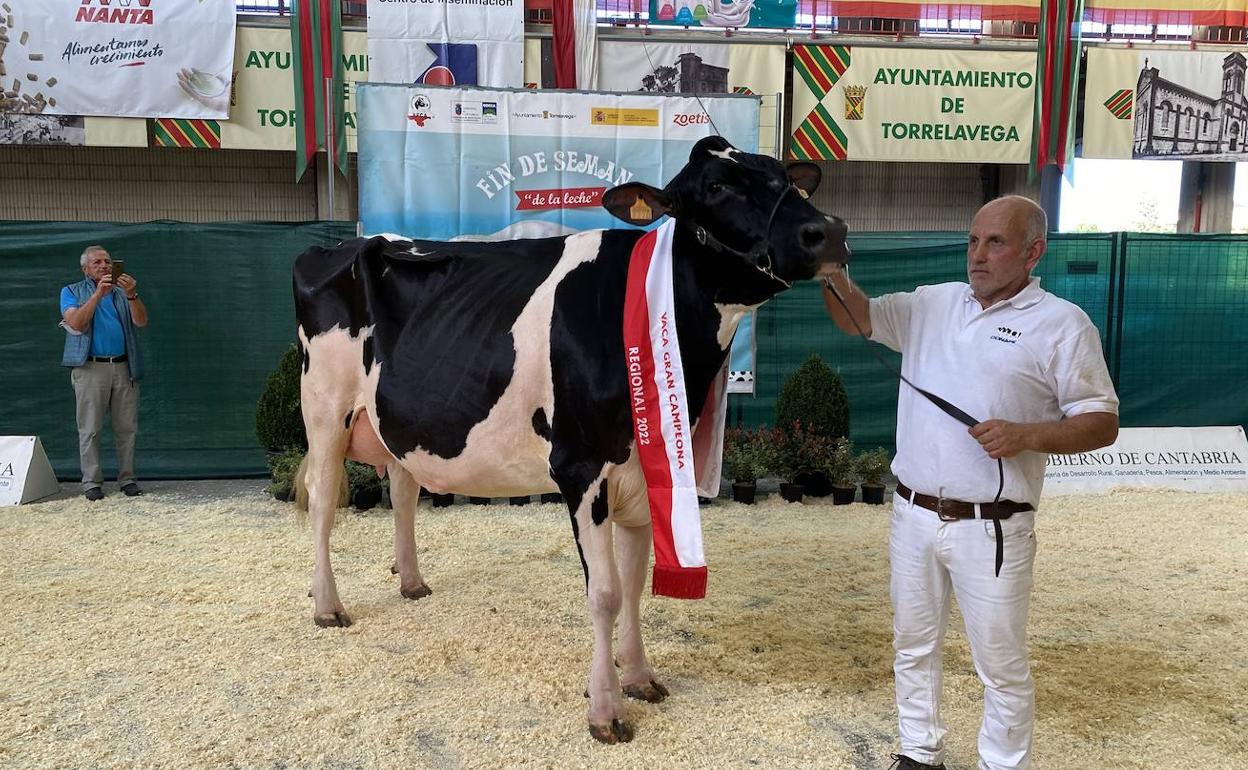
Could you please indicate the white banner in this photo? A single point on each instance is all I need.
(447, 42)
(141, 58)
(1189, 459)
(948, 106)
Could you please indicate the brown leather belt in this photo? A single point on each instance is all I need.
(953, 510)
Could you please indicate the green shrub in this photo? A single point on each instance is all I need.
(363, 477)
(815, 396)
(282, 468)
(797, 450)
(841, 467)
(872, 466)
(279, 421)
(745, 454)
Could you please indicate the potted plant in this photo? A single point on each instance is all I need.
(366, 485)
(282, 469)
(872, 467)
(843, 472)
(743, 461)
(815, 395)
(797, 453)
(279, 419)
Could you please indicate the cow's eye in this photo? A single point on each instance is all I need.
(715, 188)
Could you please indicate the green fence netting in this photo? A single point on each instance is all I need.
(1172, 312)
(219, 298)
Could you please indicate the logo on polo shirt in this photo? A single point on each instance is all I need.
(1006, 334)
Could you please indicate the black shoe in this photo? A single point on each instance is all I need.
(902, 762)
(94, 493)
(132, 490)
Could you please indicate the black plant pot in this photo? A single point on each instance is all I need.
(365, 497)
(816, 484)
(743, 492)
(843, 495)
(791, 491)
(552, 497)
(520, 500)
(442, 501)
(873, 495)
(479, 500)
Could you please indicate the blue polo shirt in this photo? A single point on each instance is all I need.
(107, 338)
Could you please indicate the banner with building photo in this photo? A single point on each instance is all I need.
(139, 59)
(491, 164)
(447, 42)
(1165, 105)
(717, 68)
(948, 106)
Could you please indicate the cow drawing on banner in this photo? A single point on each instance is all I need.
(499, 369)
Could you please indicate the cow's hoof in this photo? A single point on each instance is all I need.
(616, 732)
(419, 592)
(650, 692)
(333, 620)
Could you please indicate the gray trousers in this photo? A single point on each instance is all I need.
(99, 388)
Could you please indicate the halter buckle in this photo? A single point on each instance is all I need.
(700, 233)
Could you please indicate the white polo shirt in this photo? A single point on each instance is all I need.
(1032, 358)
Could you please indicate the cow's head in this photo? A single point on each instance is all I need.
(749, 209)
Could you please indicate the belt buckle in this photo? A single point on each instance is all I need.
(940, 511)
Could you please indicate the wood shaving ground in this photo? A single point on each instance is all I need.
(173, 630)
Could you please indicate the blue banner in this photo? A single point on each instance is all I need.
(492, 164)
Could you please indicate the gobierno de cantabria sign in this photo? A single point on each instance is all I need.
(1206, 459)
(855, 103)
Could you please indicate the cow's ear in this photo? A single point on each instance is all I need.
(805, 177)
(636, 203)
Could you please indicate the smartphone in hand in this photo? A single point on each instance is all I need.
(119, 267)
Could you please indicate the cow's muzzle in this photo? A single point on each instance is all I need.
(824, 243)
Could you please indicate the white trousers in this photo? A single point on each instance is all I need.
(932, 561)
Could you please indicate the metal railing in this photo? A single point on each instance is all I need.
(818, 17)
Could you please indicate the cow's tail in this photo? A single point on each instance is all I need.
(301, 492)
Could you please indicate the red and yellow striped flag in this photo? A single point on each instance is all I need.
(316, 45)
(819, 137)
(186, 132)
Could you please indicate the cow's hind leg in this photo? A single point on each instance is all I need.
(636, 675)
(323, 478)
(404, 494)
(592, 529)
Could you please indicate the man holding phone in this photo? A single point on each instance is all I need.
(100, 315)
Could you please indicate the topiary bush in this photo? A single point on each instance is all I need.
(282, 469)
(815, 396)
(279, 421)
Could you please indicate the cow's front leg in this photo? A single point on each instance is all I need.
(592, 529)
(636, 675)
(404, 495)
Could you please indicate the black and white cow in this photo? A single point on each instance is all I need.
(498, 369)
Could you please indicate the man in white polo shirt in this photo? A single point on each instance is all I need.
(1030, 366)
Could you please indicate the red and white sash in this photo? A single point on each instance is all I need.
(662, 424)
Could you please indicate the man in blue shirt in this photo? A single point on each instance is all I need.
(102, 348)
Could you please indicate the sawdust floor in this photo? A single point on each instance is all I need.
(173, 630)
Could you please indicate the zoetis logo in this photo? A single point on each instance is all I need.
(690, 118)
(115, 11)
(421, 110)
